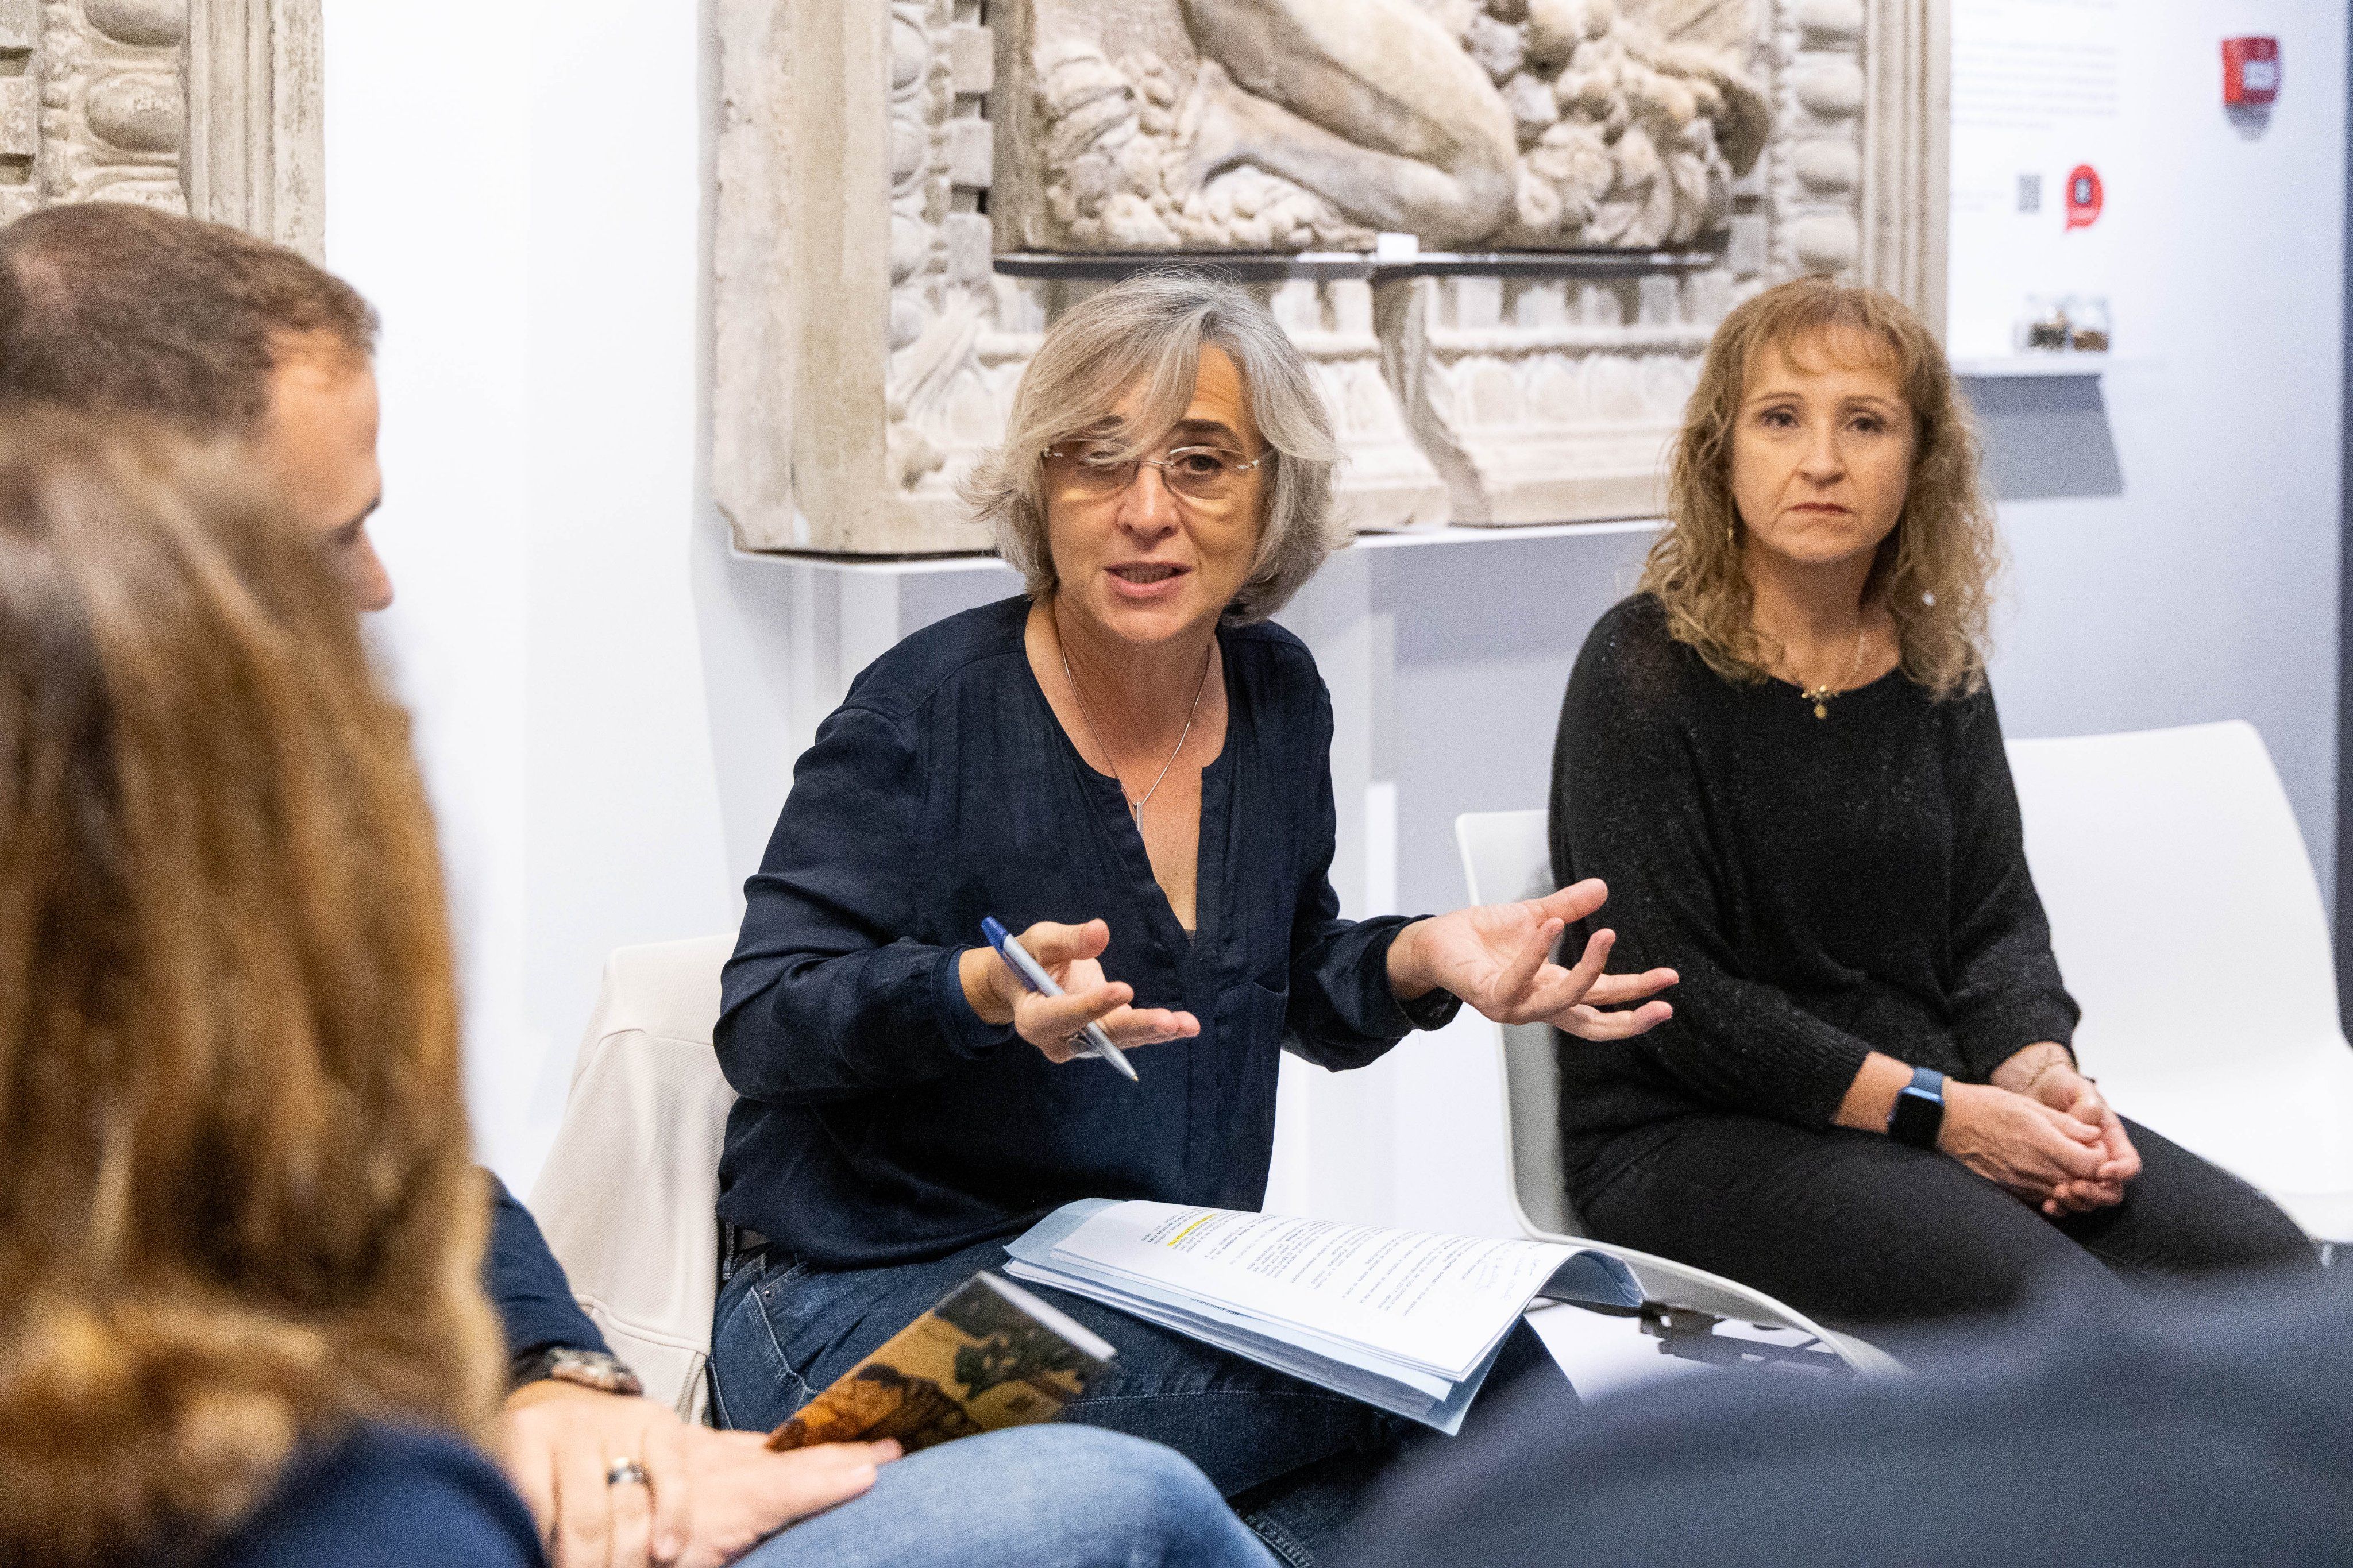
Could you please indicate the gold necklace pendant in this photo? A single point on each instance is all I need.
(1820, 696)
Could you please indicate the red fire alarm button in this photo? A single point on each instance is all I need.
(2250, 71)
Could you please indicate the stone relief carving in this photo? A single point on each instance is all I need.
(877, 165)
(1309, 124)
(1542, 400)
(94, 104)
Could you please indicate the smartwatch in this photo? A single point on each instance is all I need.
(1919, 1113)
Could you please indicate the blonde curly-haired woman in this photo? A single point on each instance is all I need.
(1782, 757)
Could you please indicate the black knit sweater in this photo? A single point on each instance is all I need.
(1825, 887)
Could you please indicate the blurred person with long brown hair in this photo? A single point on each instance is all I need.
(226, 337)
(1782, 756)
(239, 1224)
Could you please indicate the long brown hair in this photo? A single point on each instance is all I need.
(1935, 570)
(237, 1205)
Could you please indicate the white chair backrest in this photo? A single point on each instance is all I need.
(2188, 925)
(2179, 894)
(1507, 855)
(629, 1195)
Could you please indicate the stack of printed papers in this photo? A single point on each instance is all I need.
(1404, 1319)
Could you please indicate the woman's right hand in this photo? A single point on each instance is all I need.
(2022, 1144)
(1069, 954)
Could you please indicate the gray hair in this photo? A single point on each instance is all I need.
(1150, 329)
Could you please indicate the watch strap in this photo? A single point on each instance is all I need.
(568, 1364)
(1918, 1114)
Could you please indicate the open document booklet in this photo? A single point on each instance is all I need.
(1399, 1318)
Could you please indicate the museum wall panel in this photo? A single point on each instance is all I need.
(205, 106)
(611, 698)
(1501, 229)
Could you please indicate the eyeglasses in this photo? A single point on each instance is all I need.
(1196, 473)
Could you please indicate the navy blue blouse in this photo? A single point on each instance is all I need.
(526, 1284)
(882, 1121)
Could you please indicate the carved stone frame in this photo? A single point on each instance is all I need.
(1907, 166)
(211, 107)
(862, 333)
(255, 152)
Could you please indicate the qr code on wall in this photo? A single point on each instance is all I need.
(2029, 192)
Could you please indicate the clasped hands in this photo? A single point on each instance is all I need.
(2043, 1131)
(1497, 957)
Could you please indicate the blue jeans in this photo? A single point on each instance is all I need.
(1036, 1497)
(1295, 1460)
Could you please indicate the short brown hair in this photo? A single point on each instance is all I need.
(107, 303)
(237, 1208)
(1935, 569)
(1151, 329)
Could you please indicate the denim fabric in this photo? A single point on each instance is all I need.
(1295, 1458)
(1036, 1497)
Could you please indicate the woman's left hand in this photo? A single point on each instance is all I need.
(2046, 1072)
(1498, 959)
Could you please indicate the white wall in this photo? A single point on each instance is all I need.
(521, 188)
(608, 703)
(2208, 589)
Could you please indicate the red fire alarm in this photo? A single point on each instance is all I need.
(2250, 71)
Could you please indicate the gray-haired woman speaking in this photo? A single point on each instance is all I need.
(1131, 763)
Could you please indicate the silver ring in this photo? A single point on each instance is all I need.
(627, 1473)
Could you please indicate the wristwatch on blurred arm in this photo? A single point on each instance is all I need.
(1919, 1113)
(589, 1369)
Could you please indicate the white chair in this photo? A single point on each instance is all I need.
(630, 1192)
(1507, 855)
(2188, 925)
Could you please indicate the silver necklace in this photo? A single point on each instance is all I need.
(1135, 807)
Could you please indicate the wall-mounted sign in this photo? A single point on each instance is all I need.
(2083, 197)
(2037, 144)
(2250, 72)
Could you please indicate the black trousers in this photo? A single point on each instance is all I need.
(1858, 1230)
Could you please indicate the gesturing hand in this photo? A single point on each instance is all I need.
(1497, 958)
(2036, 1152)
(708, 1497)
(1051, 1023)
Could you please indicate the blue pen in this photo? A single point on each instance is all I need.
(1033, 974)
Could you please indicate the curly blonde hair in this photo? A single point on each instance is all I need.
(238, 1210)
(1935, 571)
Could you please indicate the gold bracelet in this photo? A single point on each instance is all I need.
(2036, 1077)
